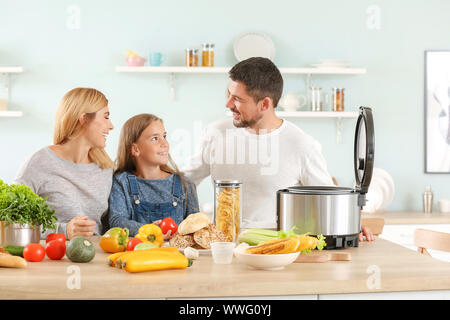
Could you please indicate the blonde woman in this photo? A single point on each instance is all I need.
(75, 173)
(147, 185)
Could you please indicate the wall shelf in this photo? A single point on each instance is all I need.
(318, 114)
(11, 114)
(181, 69)
(11, 69)
(5, 71)
(172, 70)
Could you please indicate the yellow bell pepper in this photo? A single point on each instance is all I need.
(150, 233)
(114, 240)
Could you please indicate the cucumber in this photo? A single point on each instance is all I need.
(14, 250)
(80, 249)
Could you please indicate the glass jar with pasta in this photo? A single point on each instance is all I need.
(227, 207)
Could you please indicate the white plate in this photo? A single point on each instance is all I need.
(333, 62)
(264, 261)
(202, 252)
(381, 191)
(389, 183)
(254, 44)
(323, 65)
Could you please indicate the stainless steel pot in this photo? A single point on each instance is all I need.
(334, 212)
(19, 235)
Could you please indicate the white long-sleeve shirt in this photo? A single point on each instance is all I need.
(264, 163)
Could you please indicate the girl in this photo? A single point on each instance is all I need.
(75, 173)
(147, 185)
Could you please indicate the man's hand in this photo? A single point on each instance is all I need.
(80, 226)
(366, 233)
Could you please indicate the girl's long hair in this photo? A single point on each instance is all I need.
(130, 133)
(67, 125)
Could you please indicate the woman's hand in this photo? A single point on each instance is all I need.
(168, 235)
(366, 232)
(80, 226)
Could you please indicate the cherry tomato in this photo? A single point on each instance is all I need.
(168, 224)
(55, 249)
(56, 236)
(133, 242)
(34, 252)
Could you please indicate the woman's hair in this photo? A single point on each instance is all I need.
(130, 133)
(67, 125)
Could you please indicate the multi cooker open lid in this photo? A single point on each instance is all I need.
(364, 149)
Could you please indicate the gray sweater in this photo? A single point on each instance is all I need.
(72, 189)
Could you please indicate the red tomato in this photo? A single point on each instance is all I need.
(168, 224)
(56, 236)
(34, 252)
(133, 242)
(55, 249)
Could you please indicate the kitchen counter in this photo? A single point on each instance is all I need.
(379, 266)
(410, 217)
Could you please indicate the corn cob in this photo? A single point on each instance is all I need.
(276, 246)
(292, 244)
(306, 243)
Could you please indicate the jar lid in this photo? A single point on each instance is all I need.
(191, 50)
(227, 183)
(341, 89)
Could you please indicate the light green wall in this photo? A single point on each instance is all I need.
(34, 34)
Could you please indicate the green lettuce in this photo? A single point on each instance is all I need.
(19, 204)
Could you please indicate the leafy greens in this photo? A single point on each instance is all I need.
(19, 204)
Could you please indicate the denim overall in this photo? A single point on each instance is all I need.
(147, 212)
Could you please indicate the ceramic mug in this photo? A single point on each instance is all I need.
(292, 102)
(444, 206)
(155, 59)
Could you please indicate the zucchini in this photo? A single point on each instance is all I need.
(14, 250)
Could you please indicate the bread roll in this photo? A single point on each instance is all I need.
(193, 222)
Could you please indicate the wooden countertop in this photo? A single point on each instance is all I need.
(410, 217)
(400, 269)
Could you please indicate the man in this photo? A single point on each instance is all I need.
(264, 152)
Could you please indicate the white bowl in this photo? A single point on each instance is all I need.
(444, 206)
(264, 261)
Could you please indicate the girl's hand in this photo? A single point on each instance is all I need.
(80, 226)
(168, 235)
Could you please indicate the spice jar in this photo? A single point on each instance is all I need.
(208, 55)
(191, 58)
(338, 99)
(227, 208)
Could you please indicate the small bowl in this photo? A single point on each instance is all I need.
(135, 61)
(264, 261)
(222, 252)
(444, 206)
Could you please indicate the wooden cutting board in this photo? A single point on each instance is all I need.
(324, 256)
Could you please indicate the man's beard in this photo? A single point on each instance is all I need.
(244, 123)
